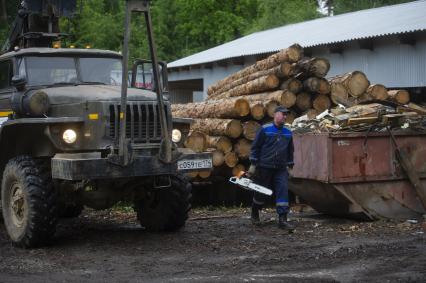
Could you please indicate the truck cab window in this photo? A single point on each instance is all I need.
(6, 73)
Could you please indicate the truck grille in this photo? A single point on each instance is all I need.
(142, 122)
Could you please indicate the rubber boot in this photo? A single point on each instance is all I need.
(255, 219)
(284, 224)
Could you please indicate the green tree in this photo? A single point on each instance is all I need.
(274, 13)
(344, 6)
(101, 25)
(203, 24)
(8, 11)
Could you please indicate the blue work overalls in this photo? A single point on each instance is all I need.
(272, 152)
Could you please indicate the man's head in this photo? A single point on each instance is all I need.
(280, 115)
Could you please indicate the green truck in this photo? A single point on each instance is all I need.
(72, 135)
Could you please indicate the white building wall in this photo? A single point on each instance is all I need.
(389, 62)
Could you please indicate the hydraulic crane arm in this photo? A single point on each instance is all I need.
(37, 23)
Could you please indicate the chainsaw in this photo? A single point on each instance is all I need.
(248, 184)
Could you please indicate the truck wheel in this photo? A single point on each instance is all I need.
(28, 202)
(166, 209)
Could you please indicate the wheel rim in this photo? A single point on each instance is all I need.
(17, 205)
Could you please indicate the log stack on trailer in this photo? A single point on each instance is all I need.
(238, 105)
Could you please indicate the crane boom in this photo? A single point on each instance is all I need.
(37, 23)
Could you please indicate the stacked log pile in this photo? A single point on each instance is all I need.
(236, 107)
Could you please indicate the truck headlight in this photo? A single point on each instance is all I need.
(31, 103)
(69, 136)
(37, 103)
(176, 135)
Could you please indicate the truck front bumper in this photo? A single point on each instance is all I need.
(82, 166)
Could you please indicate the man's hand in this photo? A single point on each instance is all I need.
(290, 170)
(252, 171)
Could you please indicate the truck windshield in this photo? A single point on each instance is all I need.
(102, 70)
(69, 70)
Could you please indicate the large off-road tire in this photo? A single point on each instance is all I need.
(165, 209)
(28, 201)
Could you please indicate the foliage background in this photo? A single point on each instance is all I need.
(184, 27)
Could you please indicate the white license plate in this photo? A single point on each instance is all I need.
(194, 164)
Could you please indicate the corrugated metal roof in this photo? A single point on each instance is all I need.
(402, 18)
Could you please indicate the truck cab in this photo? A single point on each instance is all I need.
(41, 83)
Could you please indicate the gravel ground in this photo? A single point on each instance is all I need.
(221, 245)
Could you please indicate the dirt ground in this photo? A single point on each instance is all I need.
(221, 245)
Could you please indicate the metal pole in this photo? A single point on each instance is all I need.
(123, 105)
(166, 148)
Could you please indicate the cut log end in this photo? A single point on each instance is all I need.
(320, 67)
(204, 174)
(234, 129)
(196, 141)
(192, 174)
(242, 148)
(317, 67)
(257, 110)
(321, 103)
(218, 158)
(221, 143)
(250, 129)
(357, 84)
(286, 70)
(400, 96)
(378, 92)
(339, 94)
(294, 53)
(242, 107)
(270, 108)
(231, 159)
(324, 87)
(304, 101)
(293, 85)
(288, 99)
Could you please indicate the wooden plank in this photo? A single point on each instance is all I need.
(389, 118)
(417, 108)
(362, 120)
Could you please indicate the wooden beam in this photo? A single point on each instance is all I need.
(238, 60)
(208, 66)
(409, 39)
(195, 67)
(362, 120)
(336, 48)
(183, 68)
(222, 63)
(262, 56)
(366, 44)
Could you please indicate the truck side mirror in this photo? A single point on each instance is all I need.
(19, 82)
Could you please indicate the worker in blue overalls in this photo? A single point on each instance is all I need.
(271, 154)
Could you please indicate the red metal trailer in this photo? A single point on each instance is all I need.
(358, 174)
